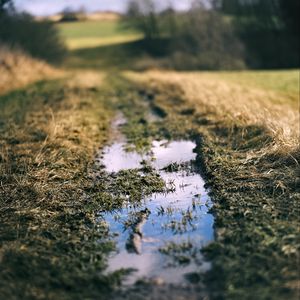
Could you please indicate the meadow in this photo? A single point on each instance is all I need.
(89, 34)
(245, 125)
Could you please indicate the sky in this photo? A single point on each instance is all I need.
(48, 7)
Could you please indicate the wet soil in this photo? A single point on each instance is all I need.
(159, 239)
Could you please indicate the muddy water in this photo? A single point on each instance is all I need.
(167, 230)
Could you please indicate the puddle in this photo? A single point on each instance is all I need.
(161, 237)
(116, 158)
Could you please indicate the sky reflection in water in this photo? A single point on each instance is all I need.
(168, 212)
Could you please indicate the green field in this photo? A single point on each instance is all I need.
(87, 34)
(285, 81)
(107, 44)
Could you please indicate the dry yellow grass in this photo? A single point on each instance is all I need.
(18, 69)
(231, 102)
(76, 119)
(49, 133)
(111, 16)
(86, 79)
(248, 150)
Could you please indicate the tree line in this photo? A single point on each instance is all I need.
(213, 34)
(224, 33)
(39, 39)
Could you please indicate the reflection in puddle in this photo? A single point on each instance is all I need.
(116, 158)
(162, 237)
(174, 152)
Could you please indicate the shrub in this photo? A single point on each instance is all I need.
(39, 39)
(198, 39)
(269, 30)
(70, 15)
(141, 15)
(206, 40)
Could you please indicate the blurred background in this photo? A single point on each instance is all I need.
(145, 34)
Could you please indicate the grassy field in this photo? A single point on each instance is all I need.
(245, 124)
(89, 34)
(283, 81)
(272, 101)
(107, 45)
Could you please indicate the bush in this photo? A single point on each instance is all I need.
(207, 41)
(269, 30)
(70, 15)
(39, 39)
(198, 39)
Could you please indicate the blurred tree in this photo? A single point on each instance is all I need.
(169, 20)
(290, 13)
(142, 16)
(206, 40)
(69, 15)
(269, 28)
(39, 39)
(4, 5)
(72, 15)
(198, 39)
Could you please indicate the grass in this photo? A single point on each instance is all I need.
(100, 45)
(89, 34)
(234, 102)
(49, 134)
(131, 55)
(253, 174)
(245, 124)
(53, 244)
(107, 45)
(49, 245)
(16, 69)
(110, 57)
(284, 81)
(251, 164)
(127, 185)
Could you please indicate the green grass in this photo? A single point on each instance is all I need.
(109, 45)
(86, 34)
(91, 29)
(106, 57)
(284, 81)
